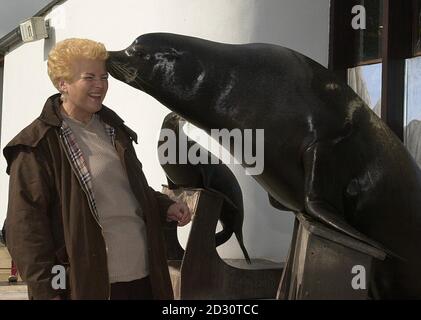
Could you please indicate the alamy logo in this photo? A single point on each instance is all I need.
(59, 280)
(358, 281)
(241, 142)
(359, 21)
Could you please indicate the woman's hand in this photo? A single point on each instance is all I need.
(180, 212)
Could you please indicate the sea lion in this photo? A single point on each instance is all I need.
(212, 176)
(326, 153)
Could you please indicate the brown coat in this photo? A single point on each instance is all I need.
(49, 220)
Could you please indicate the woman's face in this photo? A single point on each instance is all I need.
(86, 92)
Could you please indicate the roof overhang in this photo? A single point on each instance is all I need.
(13, 38)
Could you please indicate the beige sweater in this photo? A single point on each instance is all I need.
(119, 212)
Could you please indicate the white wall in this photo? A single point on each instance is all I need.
(299, 24)
(1, 98)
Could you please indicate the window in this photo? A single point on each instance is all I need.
(412, 137)
(366, 82)
(372, 60)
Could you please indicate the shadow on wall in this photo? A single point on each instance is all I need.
(300, 25)
(264, 221)
(267, 231)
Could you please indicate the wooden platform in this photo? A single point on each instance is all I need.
(199, 272)
(321, 263)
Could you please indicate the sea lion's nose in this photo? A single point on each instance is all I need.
(114, 57)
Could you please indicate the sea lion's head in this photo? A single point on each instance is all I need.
(160, 64)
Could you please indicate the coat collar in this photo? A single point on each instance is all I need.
(50, 113)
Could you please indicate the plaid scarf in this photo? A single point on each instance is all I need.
(78, 162)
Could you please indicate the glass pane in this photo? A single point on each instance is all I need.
(367, 83)
(368, 41)
(418, 27)
(413, 108)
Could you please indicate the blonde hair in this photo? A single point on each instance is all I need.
(65, 52)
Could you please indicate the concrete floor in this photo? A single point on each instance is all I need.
(13, 291)
(16, 291)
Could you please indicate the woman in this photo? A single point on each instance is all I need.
(78, 197)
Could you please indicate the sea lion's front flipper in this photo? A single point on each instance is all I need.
(325, 170)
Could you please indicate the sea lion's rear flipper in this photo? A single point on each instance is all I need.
(325, 174)
(223, 236)
(229, 218)
(274, 203)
